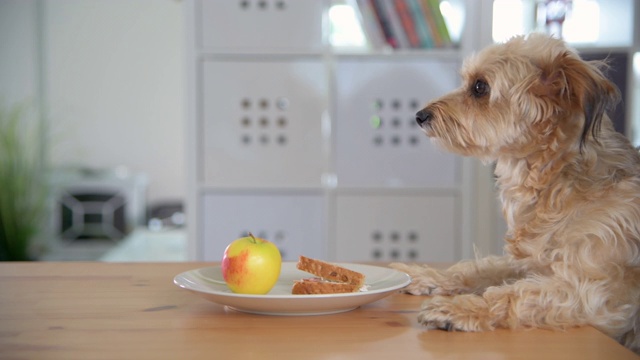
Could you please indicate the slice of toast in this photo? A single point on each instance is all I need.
(329, 271)
(319, 286)
(331, 278)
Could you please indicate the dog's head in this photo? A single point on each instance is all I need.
(527, 95)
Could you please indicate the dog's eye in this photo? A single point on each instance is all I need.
(480, 88)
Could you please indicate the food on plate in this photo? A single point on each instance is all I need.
(321, 286)
(330, 278)
(251, 265)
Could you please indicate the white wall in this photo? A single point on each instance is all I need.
(114, 79)
(112, 82)
(18, 51)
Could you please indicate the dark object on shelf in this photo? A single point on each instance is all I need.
(618, 73)
(93, 215)
(166, 215)
(97, 203)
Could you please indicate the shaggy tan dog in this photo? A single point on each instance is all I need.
(570, 191)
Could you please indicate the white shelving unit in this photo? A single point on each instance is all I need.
(318, 151)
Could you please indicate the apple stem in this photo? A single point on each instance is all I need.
(253, 238)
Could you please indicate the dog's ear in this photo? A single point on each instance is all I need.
(579, 85)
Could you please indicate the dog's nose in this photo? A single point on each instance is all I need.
(423, 116)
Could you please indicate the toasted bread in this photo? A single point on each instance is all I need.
(329, 271)
(331, 278)
(319, 286)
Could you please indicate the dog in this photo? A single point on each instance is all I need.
(569, 185)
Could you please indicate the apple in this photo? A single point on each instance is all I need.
(251, 265)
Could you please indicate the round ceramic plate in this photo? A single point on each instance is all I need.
(209, 283)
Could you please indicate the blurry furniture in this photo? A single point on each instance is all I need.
(97, 203)
(315, 150)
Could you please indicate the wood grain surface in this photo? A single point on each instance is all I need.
(91, 310)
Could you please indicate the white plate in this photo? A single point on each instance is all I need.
(209, 283)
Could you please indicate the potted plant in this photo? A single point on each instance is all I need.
(23, 184)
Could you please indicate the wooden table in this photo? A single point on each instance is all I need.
(134, 311)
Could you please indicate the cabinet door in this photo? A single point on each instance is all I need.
(294, 222)
(377, 140)
(262, 123)
(396, 228)
(260, 25)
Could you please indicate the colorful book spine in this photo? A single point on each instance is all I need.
(434, 6)
(431, 23)
(401, 24)
(407, 23)
(396, 24)
(370, 26)
(385, 25)
(420, 23)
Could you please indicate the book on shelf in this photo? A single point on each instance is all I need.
(369, 22)
(396, 23)
(430, 19)
(403, 24)
(387, 21)
(408, 23)
(433, 7)
(420, 23)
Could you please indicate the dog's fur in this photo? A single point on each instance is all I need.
(570, 191)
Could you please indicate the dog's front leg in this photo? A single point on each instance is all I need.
(461, 278)
(508, 306)
(496, 307)
(539, 301)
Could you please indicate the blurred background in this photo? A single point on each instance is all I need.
(161, 130)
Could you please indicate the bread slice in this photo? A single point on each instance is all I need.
(319, 286)
(331, 278)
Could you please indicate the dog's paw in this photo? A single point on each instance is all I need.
(462, 312)
(426, 280)
(421, 282)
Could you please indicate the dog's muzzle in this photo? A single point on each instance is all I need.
(423, 117)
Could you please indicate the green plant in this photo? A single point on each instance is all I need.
(23, 184)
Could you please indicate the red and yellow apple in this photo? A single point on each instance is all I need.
(251, 265)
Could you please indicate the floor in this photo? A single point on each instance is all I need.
(141, 244)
